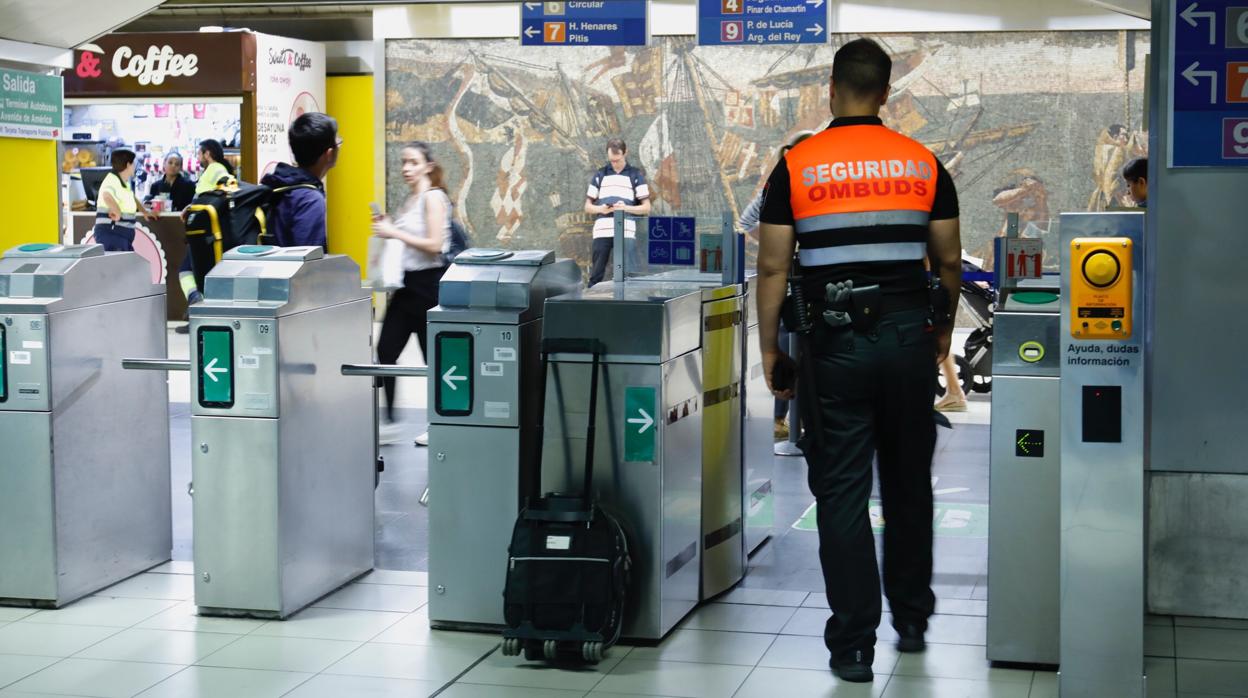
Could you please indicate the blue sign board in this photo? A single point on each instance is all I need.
(671, 241)
(583, 23)
(1209, 83)
(754, 22)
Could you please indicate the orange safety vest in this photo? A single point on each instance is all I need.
(861, 193)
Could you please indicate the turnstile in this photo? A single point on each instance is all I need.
(283, 444)
(758, 441)
(84, 487)
(723, 521)
(484, 403)
(1024, 478)
(649, 433)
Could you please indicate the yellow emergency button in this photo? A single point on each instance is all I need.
(1101, 268)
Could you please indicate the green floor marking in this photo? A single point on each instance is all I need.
(951, 519)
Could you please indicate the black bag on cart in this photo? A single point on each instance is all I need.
(568, 572)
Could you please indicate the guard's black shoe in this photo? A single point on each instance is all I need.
(853, 667)
(910, 639)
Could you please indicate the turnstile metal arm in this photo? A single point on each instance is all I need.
(157, 364)
(384, 370)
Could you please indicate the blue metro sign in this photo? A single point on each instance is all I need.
(583, 23)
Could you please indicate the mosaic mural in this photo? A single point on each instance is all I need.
(1030, 122)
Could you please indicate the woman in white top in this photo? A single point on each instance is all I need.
(423, 223)
(117, 207)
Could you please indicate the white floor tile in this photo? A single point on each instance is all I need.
(708, 647)
(1209, 643)
(327, 686)
(957, 630)
(1044, 685)
(184, 616)
(280, 654)
(414, 630)
(419, 662)
(161, 646)
(805, 652)
(674, 679)
(377, 597)
(915, 687)
(1162, 680)
(332, 624)
(1205, 676)
(50, 640)
(956, 662)
(174, 587)
(764, 597)
(27, 694)
(399, 577)
(961, 607)
(770, 682)
(1159, 640)
(15, 667)
(103, 611)
(175, 567)
(1226, 623)
(95, 677)
(216, 682)
(807, 621)
(497, 670)
(8, 614)
(470, 690)
(734, 618)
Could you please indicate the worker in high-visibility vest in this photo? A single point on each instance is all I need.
(864, 206)
(117, 208)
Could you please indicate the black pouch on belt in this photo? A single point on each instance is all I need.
(865, 312)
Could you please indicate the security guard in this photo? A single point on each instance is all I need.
(864, 205)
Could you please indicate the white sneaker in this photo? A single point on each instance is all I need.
(423, 439)
(389, 433)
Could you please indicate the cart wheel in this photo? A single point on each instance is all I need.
(511, 647)
(587, 651)
(549, 648)
(981, 384)
(532, 652)
(595, 652)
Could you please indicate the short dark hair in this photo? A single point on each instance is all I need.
(617, 144)
(310, 136)
(862, 68)
(121, 159)
(1136, 170)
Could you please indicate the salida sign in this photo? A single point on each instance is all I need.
(165, 64)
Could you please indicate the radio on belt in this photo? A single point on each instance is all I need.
(1101, 277)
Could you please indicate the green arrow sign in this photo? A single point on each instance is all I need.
(216, 367)
(1029, 443)
(4, 365)
(640, 426)
(453, 393)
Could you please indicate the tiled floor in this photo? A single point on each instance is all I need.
(372, 638)
(141, 638)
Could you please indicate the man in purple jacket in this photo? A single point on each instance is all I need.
(298, 209)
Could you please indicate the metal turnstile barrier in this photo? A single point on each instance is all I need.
(279, 436)
(650, 409)
(1025, 464)
(758, 443)
(84, 491)
(484, 406)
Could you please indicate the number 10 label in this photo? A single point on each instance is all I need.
(731, 31)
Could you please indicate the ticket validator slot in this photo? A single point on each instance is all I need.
(1101, 278)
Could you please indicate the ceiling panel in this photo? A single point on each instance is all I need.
(66, 23)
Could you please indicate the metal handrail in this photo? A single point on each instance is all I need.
(385, 371)
(157, 364)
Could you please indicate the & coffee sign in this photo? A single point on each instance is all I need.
(177, 63)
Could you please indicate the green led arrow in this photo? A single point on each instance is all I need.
(1023, 443)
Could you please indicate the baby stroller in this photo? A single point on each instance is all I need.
(977, 300)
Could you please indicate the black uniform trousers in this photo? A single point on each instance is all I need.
(873, 393)
(407, 312)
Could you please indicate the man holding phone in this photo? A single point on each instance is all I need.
(618, 186)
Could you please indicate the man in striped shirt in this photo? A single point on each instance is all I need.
(618, 186)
